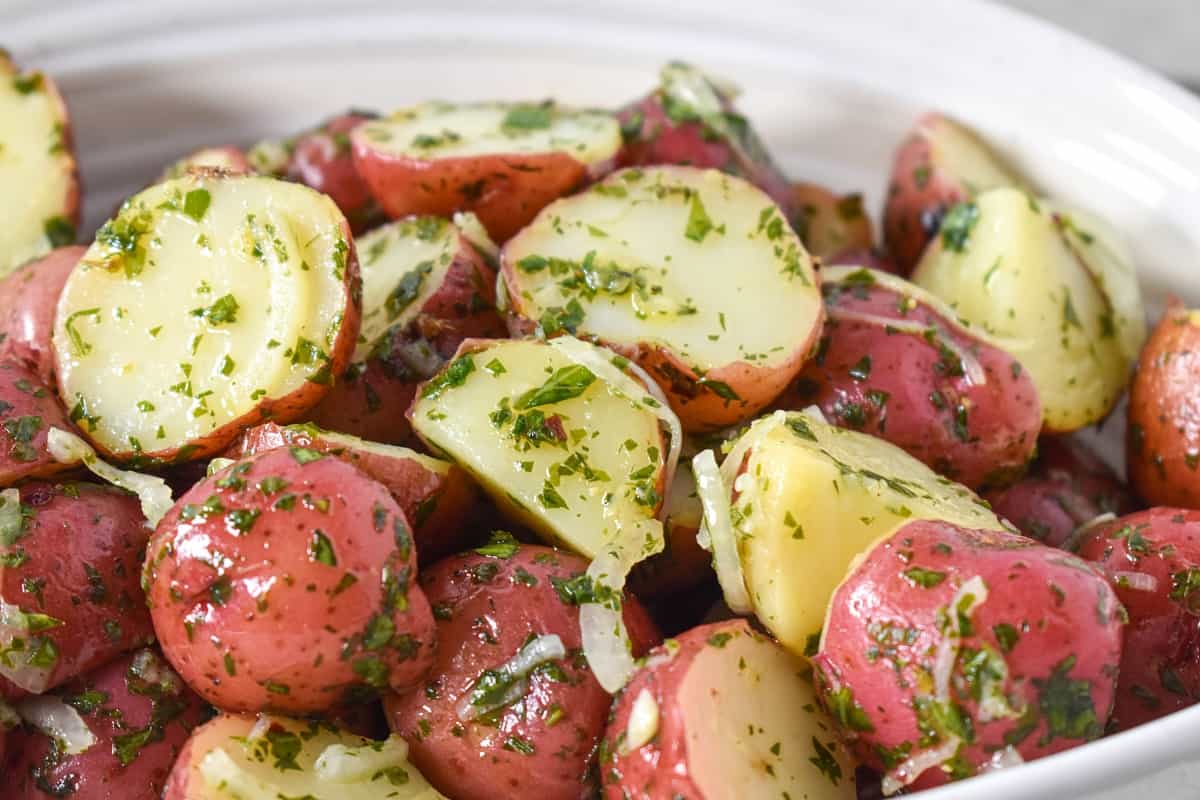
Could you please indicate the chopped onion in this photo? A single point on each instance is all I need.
(152, 492)
(10, 512)
(1002, 759)
(913, 766)
(341, 764)
(717, 528)
(947, 649)
(537, 651)
(216, 465)
(643, 722)
(56, 719)
(1099, 519)
(261, 728)
(1137, 581)
(473, 231)
(690, 87)
(14, 665)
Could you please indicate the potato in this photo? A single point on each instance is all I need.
(285, 582)
(1067, 487)
(940, 164)
(268, 758)
(39, 157)
(830, 225)
(129, 719)
(948, 651)
(509, 711)
(435, 495)
(370, 398)
(225, 159)
(1153, 560)
(897, 363)
(1012, 266)
(804, 498)
(28, 410)
(690, 120)
(641, 262)
(1162, 444)
(502, 161)
(722, 711)
(322, 159)
(208, 304)
(28, 298)
(683, 564)
(69, 595)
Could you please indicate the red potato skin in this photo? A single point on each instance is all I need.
(279, 603)
(882, 633)
(28, 299)
(78, 560)
(868, 258)
(830, 224)
(131, 705)
(438, 504)
(486, 608)
(979, 435)
(321, 159)
(1163, 436)
(28, 410)
(369, 402)
(1160, 671)
(1068, 486)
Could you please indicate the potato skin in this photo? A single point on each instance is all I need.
(321, 159)
(1062, 646)
(369, 402)
(913, 390)
(293, 590)
(134, 701)
(1160, 670)
(486, 608)
(830, 225)
(28, 298)
(28, 410)
(1163, 438)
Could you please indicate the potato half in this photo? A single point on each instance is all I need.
(209, 303)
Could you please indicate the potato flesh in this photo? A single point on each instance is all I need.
(161, 357)
(807, 507)
(442, 130)
(751, 720)
(36, 169)
(701, 290)
(961, 154)
(1017, 279)
(616, 435)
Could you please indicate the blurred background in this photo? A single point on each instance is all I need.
(1163, 34)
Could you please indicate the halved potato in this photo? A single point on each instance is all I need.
(677, 268)
(504, 162)
(560, 448)
(209, 303)
(39, 204)
(806, 498)
(1025, 273)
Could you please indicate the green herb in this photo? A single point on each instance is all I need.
(1066, 705)
(564, 384)
(59, 231)
(1006, 636)
(720, 389)
(825, 762)
(957, 225)
(196, 203)
(925, 578)
(81, 347)
(502, 544)
(528, 118)
(452, 376)
(224, 310)
(698, 224)
(848, 713)
(861, 370)
(406, 290)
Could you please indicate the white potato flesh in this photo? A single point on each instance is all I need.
(239, 758)
(444, 130)
(403, 263)
(754, 729)
(960, 153)
(1006, 267)
(577, 470)
(690, 260)
(37, 169)
(809, 497)
(204, 297)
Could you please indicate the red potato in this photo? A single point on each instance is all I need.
(28, 410)
(285, 582)
(435, 495)
(28, 298)
(321, 159)
(894, 362)
(140, 714)
(946, 646)
(1153, 559)
(1068, 486)
(369, 402)
(489, 604)
(830, 224)
(226, 159)
(69, 575)
(869, 258)
(502, 162)
(722, 711)
(942, 162)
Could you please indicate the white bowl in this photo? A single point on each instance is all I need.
(832, 86)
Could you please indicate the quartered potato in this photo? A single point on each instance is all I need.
(322, 159)
(504, 162)
(36, 155)
(208, 304)
(1030, 276)
(679, 269)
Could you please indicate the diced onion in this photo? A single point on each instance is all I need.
(10, 510)
(912, 767)
(341, 764)
(536, 652)
(1099, 519)
(947, 649)
(1137, 581)
(152, 492)
(14, 624)
(56, 719)
(216, 465)
(717, 529)
(972, 369)
(262, 726)
(1002, 759)
(474, 232)
(643, 722)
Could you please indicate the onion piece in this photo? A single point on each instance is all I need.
(216, 465)
(17, 624)
(643, 722)
(972, 369)
(473, 231)
(341, 764)
(152, 492)
(11, 521)
(515, 670)
(1137, 581)
(1002, 759)
(948, 646)
(912, 767)
(59, 721)
(717, 529)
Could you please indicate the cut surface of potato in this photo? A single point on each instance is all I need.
(558, 447)
(808, 497)
(206, 304)
(1004, 262)
(40, 199)
(676, 261)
